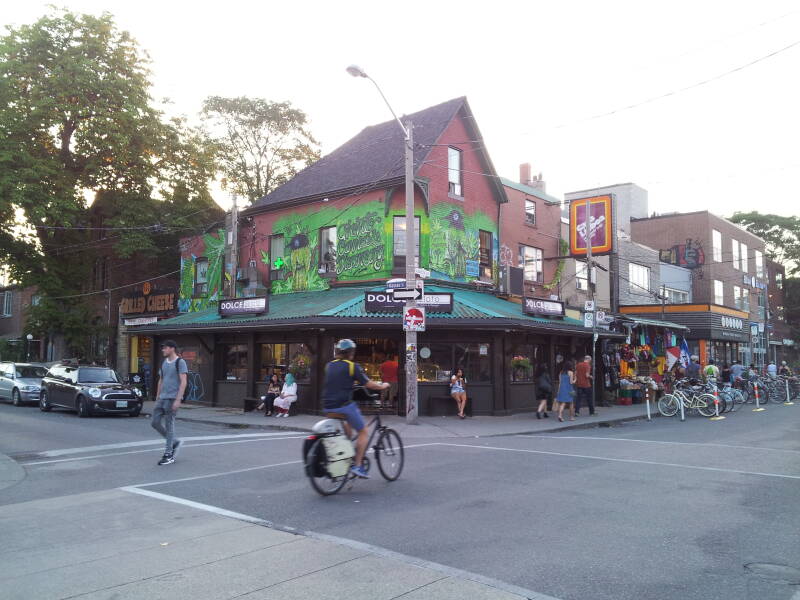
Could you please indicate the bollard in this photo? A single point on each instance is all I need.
(680, 403)
(758, 405)
(788, 400)
(717, 416)
(647, 400)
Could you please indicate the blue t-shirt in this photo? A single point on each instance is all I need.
(338, 388)
(736, 371)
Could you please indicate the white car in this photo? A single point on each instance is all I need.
(21, 382)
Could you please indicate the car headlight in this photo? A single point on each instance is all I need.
(30, 388)
(138, 392)
(94, 392)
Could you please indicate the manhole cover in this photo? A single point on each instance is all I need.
(778, 573)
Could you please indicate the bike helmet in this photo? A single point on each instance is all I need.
(345, 345)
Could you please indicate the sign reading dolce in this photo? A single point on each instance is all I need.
(540, 306)
(243, 306)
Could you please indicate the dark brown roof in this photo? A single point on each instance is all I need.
(373, 157)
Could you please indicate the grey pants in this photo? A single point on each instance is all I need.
(163, 412)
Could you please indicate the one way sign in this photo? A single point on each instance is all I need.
(415, 294)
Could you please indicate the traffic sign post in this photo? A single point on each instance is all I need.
(414, 318)
(406, 294)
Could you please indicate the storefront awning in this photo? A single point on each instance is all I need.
(655, 323)
(346, 307)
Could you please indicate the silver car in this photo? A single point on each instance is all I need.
(21, 382)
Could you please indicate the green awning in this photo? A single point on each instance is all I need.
(656, 323)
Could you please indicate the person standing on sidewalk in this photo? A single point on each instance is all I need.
(388, 370)
(544, 389)
(583, 380)
(566, 391)
(171, 387)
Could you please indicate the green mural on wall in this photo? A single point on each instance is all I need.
(214, 251)
(455, 241)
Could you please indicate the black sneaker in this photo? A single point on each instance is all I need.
(167, 459)
(176, 447)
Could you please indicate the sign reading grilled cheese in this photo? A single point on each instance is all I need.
(153, 303)
(542, 307)
(243, 306)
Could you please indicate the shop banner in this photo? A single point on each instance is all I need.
(243, 306)
(600, 234)
(385, 302)
(542, 307)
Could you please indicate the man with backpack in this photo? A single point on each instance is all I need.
(171, 387)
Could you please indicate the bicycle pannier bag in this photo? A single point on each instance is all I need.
(340, 452)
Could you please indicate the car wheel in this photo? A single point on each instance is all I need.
(83, 408)
(44, 405)
(16, 398)
(135, 412)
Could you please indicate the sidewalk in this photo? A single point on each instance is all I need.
(122, 545)
(428, 427)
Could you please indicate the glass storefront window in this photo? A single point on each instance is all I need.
(234, 362)
(300, 361)
(435, 362)
(475, 360)
(522, 363)
(273, 360)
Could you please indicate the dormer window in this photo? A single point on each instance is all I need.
(454, 171)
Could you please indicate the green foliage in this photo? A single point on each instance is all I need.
(782, 235)
(261, 144)
(454, 239)
(563, 248)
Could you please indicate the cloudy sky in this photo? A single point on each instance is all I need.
(713, 87)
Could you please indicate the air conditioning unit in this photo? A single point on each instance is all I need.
(511, 281)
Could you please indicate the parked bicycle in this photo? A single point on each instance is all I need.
(328, 453)
(693, 396)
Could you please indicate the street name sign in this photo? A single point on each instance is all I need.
(403, 294)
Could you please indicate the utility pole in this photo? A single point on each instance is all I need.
(589, 270)
(412, 410)
(234, 237)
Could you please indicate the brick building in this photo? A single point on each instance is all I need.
(781, 344)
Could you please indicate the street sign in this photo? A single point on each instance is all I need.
(420, 272)
(588, 319)
(398, 284)
(588, 306)
(414, 319)
(415, 294)
(601, 316)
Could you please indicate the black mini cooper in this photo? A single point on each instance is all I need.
(88, 391)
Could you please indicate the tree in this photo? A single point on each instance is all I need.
(261, 144)
(781, 234)
(77, 121)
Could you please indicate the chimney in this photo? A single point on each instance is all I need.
(525, 173)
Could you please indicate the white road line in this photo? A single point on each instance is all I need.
(153, 442)
(588, 437)
(625, 460)
(161, 443)
(364, 547)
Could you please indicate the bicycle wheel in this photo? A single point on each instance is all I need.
(705, 405)
(779, 393)
(668, 405)
(389, 454)
(316, 469)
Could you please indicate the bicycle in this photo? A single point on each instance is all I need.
(328, 453)
(702, 402)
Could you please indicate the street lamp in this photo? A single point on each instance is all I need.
(29, 339)
(411, 336)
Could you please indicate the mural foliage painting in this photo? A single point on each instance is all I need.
(214, 250)
(455, 241)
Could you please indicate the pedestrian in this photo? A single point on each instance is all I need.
(784, 370)
(583, 379)
(273, 391)
(388, 370)
(772, 369)
(169, 395)
(737, 368)
(544, 389)
(693, 369)
(725, 373)
(711, 371)
(566, 390)
(458, 390)
(288, 395)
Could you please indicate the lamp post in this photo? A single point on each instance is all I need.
(28, 340)
(411, 336)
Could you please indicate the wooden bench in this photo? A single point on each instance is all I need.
(445, 406)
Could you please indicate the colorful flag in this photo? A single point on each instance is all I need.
(684, 353)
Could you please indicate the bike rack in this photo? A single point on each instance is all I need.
(758, 407)
(717, 416)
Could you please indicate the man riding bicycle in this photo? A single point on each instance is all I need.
(340, 376)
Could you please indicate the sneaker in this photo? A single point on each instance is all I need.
(167, 459)
(176, 447)
(359, 472)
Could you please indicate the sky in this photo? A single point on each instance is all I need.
(541, 78)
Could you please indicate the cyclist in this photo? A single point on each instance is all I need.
(340, 376)
(784, 370)
(711, 371)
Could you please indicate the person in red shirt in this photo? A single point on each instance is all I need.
(388, 370)
(583, 381)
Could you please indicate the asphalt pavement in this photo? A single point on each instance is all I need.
(637, 509)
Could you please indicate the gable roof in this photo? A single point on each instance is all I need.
(531, 191)
(373, 158)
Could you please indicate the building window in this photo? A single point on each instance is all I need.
(716, 244)
(234, 362)
(737, 297)
(399, 236)
(277, 260)
(581, 275)
(674, 296)
(779, 280)
(36, 300)
(759, 258)
(735, 253)
(7, 303)
(454, 171)
(327, 251)
(744, 258)
(719, 297)
(638, 278)
(745, 300)
(485, 254)
(530, 212)
(201, 277)
(530, 259)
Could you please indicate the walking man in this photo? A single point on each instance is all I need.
(583, 381)
(389, 375)
(171, 387)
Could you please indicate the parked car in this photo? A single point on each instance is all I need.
(88, 390)
(20, 382)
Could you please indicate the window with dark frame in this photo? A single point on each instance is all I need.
(485, 254)
(201, 276)
(327, 251)
(530, 212)
(277, 270)
(399, 242)
(530, 259)
(234, 362)
(7, 303)
(454, 171)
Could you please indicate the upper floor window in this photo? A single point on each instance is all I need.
(719, 296)
(745, 300)
(716, 244)
(638, 278)
(8, 295)
(530, 212)
(744, 258)
(485, 254)
(201, 276)
(327, 251)
(36, 300)
(399, 244)
(759, 258)
(277, 262)
(779, 280)
(674, 296)
(530, 259)
(454, 171)
(735, 254)
(737, 297)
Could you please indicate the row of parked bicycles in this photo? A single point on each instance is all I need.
(710, 398)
